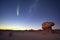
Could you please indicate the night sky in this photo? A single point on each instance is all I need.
(27, 14)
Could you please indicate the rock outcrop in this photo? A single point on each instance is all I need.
(47, 26)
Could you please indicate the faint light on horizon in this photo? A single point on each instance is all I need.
(15, 27)
(18, 27)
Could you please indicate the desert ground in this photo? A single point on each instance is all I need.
(29, 35)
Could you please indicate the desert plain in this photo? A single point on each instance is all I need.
(29, 35)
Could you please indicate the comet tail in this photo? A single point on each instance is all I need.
(18, 10)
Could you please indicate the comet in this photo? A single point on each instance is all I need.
(18, 10)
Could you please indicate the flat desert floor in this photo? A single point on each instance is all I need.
(28, 35)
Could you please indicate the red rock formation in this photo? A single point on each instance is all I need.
(47, 26)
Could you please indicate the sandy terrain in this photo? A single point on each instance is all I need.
(28, 35)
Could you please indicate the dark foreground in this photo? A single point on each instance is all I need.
(29, 35)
